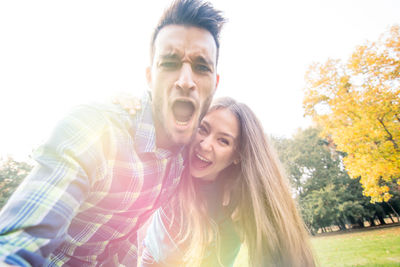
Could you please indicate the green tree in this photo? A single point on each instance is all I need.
(11, 175)
(325, 192)
(314, 168)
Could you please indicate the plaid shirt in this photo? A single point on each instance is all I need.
(99, 178)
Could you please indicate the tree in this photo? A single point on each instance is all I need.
(309, 160)
(357, 104)
(315, 171)
(325, 192)
(11, 175)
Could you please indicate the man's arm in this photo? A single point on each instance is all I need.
(159, 246)
(35, 220)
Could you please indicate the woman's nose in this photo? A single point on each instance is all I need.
(206, 144)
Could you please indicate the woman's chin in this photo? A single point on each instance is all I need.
(197, 176)
(208, 178)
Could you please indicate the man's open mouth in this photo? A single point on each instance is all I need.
(183, 111)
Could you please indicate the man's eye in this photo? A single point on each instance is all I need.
(169, 65)
(202, 68)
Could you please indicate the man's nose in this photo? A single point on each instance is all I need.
(185, 80)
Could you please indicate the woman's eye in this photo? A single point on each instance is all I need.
(202, 130)
(224, 141)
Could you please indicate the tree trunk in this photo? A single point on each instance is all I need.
(381, 219)
(391, 218)
(341, 224)
(360, 222)
(372, 221)
(397, 215)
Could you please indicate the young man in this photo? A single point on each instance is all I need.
(102, 174)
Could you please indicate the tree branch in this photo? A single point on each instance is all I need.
(390, 136)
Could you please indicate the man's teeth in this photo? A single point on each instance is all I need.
(182, 123)
(203, 159)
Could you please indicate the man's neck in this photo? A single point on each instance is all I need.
(163, 140)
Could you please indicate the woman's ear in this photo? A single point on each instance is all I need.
(236, 160)
(236, 156)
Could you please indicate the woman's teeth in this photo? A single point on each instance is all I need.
(203, 159)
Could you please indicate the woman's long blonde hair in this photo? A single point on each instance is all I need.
(266, 215)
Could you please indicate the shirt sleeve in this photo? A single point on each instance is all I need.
(35, 220)
(159, 245)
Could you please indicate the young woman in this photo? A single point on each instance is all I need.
(234, 191)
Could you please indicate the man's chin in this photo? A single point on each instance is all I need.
(182, 134)
(181, 139)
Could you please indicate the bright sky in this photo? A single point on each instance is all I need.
(57, 54)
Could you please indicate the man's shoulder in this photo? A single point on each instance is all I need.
(98, 110)
(86, 123)
(104, 114)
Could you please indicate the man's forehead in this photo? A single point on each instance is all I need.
(179, 40)
(179, 54)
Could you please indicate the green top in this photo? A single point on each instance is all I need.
(160, 247)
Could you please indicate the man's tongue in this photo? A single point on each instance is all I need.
(183, 111)
(198, 163)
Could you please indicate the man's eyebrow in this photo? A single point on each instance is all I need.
(171, 55)
(201, 59)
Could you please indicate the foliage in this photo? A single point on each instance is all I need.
(326, 194)
(357, 103)
(11, 175)
(316, 174)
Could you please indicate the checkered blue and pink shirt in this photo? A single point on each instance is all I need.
(98, 178)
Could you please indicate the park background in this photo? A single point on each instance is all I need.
(54, 55)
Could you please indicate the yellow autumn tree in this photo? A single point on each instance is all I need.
(357, 103)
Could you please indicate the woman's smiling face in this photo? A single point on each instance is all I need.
(215, 144)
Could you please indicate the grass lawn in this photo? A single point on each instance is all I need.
(369, 247)
(375, 247)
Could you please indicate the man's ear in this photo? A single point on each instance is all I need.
(216, 83)
(148, 77)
